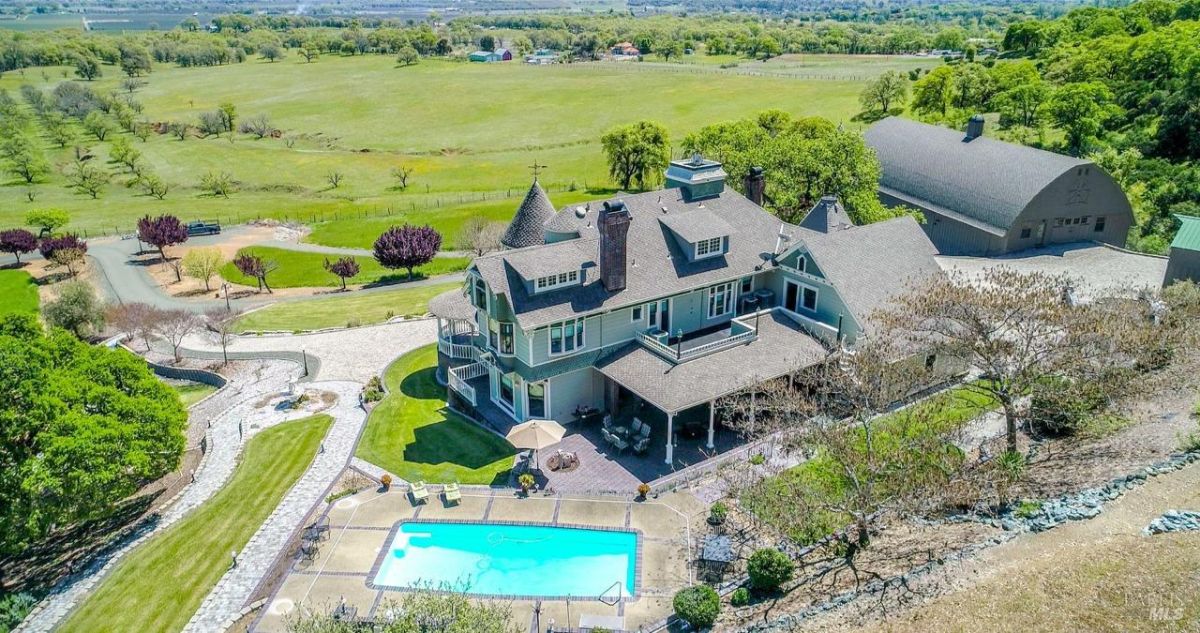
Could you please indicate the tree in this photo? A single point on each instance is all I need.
(401, 174)
(17, 241)
(48, 221)
(217, 183)
(407, 247)
(259, 125)
(97, 124)
(211, 123)
(135, 59)
(221, 325)
(124, 153)
(480, 235)
(674, 48)
(932, 93)
(77, 309)
(256, 267)
(161, 232)
(443, 48)
(334, 178)
(1022, 104)
(271, 52)
(881, 92)
(228, 113)
(1081, 109)
(59, 129)
(67, 250)
(86, 427)
(203, 264)
(310, 53)
(87, 67)
(344, 268)
(131, 84)
(153, 185)
(179, 129)
(176, 325)
(487, 43)
(25, 159)
(135, 320)
(1026, 36)
(638, 152)
(408, 56)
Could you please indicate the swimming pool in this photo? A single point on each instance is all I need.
(510, 560)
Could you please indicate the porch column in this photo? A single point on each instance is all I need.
(670, 438)
(440, 331)
(712, 409)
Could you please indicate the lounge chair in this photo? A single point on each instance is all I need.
(420, 494)
(451, 492)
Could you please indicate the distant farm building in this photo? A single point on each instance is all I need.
(1184, 262)
(981, 196)
(625, 49)
(498, 55)
(541, 56)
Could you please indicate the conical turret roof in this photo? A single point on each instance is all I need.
(828, 216)
(526, 226)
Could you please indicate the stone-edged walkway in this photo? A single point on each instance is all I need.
(256, 560)
(225, 443)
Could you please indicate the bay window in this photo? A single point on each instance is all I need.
(566, 336)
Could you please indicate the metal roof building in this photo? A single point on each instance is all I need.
(1184, 261)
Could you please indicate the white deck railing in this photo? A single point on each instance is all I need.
(827, 334)
(458, 350)
(460, 375)
(683, 355)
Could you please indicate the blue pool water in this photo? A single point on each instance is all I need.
(510, 559)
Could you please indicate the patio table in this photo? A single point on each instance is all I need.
(622, 431)
(717, 548)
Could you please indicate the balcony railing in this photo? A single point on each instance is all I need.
(739, 334)
(458, 350)
(827, 334)
(460, 375)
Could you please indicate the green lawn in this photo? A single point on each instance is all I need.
(300, 269)
(192, 392)
(412, 434)
(363, 116)
(18, 292)
(161, 584)
(362, 308)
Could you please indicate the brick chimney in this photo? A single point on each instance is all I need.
(756, 185)
(974, 128)
(613, 224)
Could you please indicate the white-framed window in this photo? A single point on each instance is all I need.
(747, 285)
(568, 278)
(802, 263)
(720, 300)
(479, 297)
(566, 336)
(635, 315)
(708, 248)
(808, 298)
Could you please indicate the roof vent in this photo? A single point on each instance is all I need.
(974, 128)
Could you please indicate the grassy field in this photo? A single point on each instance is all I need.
(18, 293)
(300, 269)
(411, 433)
(469, 132)
(192, 392)
(160, 585)
(361, 307)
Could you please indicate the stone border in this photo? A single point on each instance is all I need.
(383, 553)
(280, 333)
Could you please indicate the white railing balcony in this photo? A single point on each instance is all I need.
(739, 334)
(458, 350)
(823, 332)
(459, 377)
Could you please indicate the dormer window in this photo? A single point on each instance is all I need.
(550, 282)
(480, 294)
(709, 247)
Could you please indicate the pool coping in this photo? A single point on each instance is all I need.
(395, 529)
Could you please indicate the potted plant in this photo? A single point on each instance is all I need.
(643, 490)
(717, 513)
(386, 481)
(527, 482)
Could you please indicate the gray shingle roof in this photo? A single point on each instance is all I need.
(452, 304)
(701, 224)
(657, 265)
(526, 226)
(986, 179)
(781, 347)
(828, 215)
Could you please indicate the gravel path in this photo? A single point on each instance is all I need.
(239, 416)
(256, 560)
(340, 250)
(354, 354)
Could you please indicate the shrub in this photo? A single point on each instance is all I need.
(13, 608)
(1027, 508)
(698, 605)
(1061, 407)
(643, 490)
(769, 568)
(740, 597)
(717, 513)
(386, 480)
(526, 480)
(758, 459)
(373, 392)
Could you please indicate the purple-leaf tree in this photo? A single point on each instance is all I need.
(17, 241)
(344, 268)
(407, 247)
(65, 250)
(256, 267)
(161, 232)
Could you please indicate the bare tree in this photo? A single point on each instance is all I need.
(221, 329)
(174, 326)
(401, 174)
(335, 178)
(136, 320)
(480, 235)
(259, 125)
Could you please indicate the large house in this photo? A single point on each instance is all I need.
(982, 196)
(662, 302)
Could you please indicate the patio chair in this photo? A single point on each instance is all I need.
(641, 445)
(607, 422)
(645, 433)
(309, 551)
(636, 426)
(619, 443)
(420, 494)
(451, 492)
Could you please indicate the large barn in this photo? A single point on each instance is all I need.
(981, 196)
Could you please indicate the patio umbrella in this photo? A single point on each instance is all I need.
(536, 434)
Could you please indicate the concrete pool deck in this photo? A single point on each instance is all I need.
(360, 527)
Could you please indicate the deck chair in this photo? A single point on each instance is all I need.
(641, 445)
(420, 494)
(607, 423)
(637, 426)
(645, 433)
(451, 493)
(619, 443)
